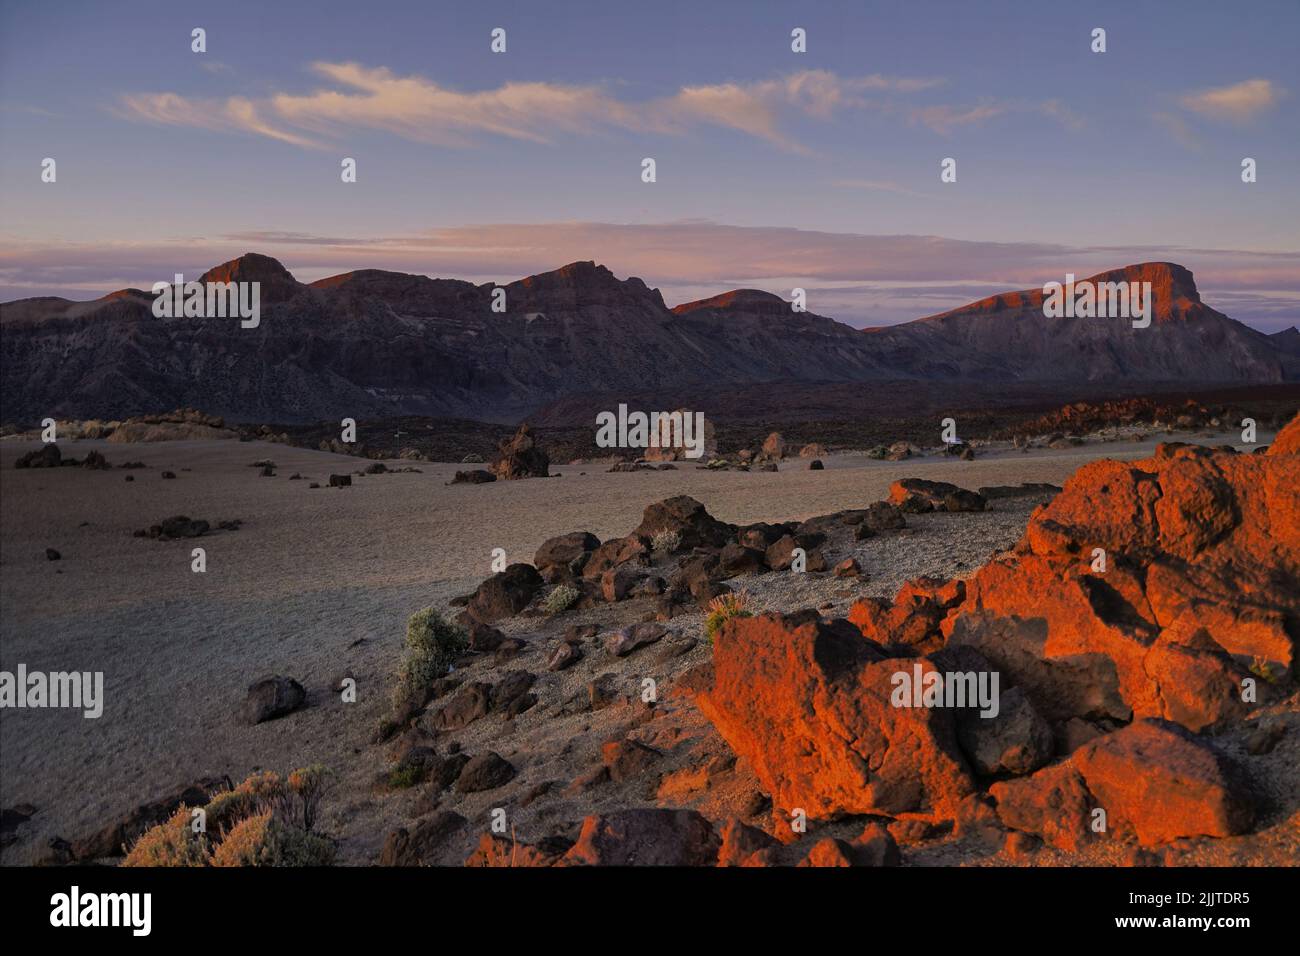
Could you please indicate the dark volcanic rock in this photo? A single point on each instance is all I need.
(272, 697)
(47, 456)
(644, 838)
(686, 516)
(485, 772)
(520, 457)
(419, 847)
(476, 476)
(504, 594)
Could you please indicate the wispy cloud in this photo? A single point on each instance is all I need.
(422, 110)
(944, 118)
(1239, 102)
(233, 114)
(1178, 129)
(878, 185)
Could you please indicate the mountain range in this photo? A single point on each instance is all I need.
(373, 343)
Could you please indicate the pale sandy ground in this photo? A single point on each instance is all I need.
(317, 581)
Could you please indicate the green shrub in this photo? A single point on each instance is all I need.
(432, 646)
(266, 840)
(561, 599)
(406, 776)
(722, 609)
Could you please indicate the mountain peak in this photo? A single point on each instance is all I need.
(1173, 290)
(276, 281)
(737, 300)
(583, 281)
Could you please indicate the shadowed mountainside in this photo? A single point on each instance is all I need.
(378, 343)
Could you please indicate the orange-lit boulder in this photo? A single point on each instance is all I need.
(807, 702)
(1164, 783)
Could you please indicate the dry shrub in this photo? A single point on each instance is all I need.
(172, 843)
(265, 840)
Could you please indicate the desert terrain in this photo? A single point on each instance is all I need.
(317, 582)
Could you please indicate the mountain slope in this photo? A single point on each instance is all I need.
(373, 343)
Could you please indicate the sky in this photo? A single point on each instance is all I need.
(774, 169)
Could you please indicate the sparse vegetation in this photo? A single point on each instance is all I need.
(173, 843)
(266, 840)
(432, 645)
(722, 609)
(406, 776)
(666, 541)
(307, 787)
(265, 821)
(1267, 670)
(561, 599)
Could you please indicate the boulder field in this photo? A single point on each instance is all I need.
(1148, 608)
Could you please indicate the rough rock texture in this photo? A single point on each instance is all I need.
(1053, 803)
(1155, 781)
(689, 519)
(1202, 553)
(438, 348)
(504, 594)
(272, 697)
(520, 457)
(1164, 783)
(807, 702)
(556, 557)
(417, 847)
(644, 838)
(1016, 741)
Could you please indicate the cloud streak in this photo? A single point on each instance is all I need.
(1238, 103)
(421, 110)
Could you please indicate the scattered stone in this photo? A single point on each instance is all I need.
(520, 457)
(115, 838)
(485, 772)
(1163, 782)
(644, 837)
(272, 697)
(625, 759)
(419, 847)
(740, 842)
(686, 516)
(47, 456)
(177, 526)
(477, 476)
(628, 639)
(505, 594)
(565, 655)
(807, 703)
(848, 568)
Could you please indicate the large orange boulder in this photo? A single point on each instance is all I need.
(1287, 441)
(1160, 588)
(808, 703)
(1153, 780)
(1164, 783)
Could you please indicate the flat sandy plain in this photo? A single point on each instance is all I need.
(320, 580)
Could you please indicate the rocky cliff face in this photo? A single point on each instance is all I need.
(374, 343)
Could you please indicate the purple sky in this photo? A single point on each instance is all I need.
(775, 169)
